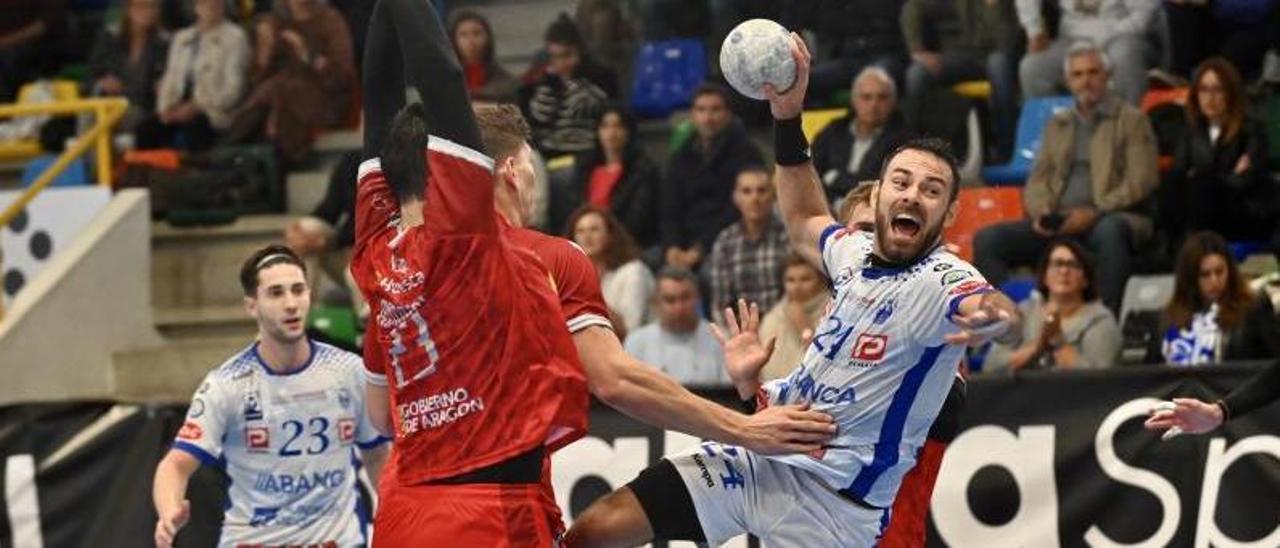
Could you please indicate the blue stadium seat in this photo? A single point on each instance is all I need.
(77, 173)
(1242, 250)
(1018, 289)
(1035, 115)
(666, 73)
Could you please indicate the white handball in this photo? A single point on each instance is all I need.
(756, 52)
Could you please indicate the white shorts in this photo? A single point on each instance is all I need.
(735, 491)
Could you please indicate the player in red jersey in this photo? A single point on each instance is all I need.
(614, 376)
(481, 380)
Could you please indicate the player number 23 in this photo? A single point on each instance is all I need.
(315, 442)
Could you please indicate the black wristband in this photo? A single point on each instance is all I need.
(789, 144)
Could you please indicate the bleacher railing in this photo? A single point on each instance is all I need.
(106, 111)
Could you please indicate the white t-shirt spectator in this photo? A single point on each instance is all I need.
(628, 290)
(693, 359)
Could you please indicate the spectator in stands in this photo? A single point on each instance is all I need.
(608, 36)
(851, 149)
(618, 176)
(698, 188)
(680, 343)
(625, 280)
(1213, 316)
(791, 322)
(1118, 27)
(1239, 31)
(128, 60)
(746, 259)
(303, 78)
(203, 82)
(852, 35)
(1066, 326)
(563, 104)
(25, 28)
(1219, 179)
(1090, 181)
(473, 40)
(985, 48)
(328, 233)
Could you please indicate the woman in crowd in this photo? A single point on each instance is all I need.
(203, 82)
(791, 322)
(617, 176)
(1219, 180)
(473, 40)
(303, 78)
(128, 60)
(1066, 326)
(1213, 316)
(626, 281)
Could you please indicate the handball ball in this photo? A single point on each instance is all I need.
(757, 52)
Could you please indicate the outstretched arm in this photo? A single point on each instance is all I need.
(641, 391)
(800, 195)
(408, 47)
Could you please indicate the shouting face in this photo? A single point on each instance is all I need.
(913, 204)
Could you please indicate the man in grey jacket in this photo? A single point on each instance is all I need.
(1119, 27)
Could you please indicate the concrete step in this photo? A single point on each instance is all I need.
(204, 322)
(200, 266)
(171, 372)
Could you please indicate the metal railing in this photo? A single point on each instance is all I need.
(106, 111)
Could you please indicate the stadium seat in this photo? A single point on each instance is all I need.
(76, 173)
(1144, 299)
(978, 90)
(813, 122)
(1035, 114)
(666, 74)
(980, 207)
(1019, 289)
(1242, 250)
(1162, 96)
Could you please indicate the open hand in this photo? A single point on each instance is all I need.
(744, 354)
(1187, 415)
(787, 429)
(980, 326)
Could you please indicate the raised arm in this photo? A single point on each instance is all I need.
(800, 196)
(408, 47)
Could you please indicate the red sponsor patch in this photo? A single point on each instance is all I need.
(346, 431)
(870, 348)
(968, 287)
(257, 438)
(190, 431)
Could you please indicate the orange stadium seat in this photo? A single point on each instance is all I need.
(981, 207)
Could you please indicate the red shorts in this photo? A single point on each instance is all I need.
(481, 514)
(907, 523)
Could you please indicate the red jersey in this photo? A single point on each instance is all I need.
(577, 282)
(465, 328)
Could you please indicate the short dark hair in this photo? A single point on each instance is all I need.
(678, 274)
(263, 259)
(1082, 256)
(404, 153)
(503, 130)
(713, 88)
(931, 145)
(563, 31)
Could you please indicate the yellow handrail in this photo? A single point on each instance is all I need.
(107, 112)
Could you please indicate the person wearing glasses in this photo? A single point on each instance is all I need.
(1067, 326)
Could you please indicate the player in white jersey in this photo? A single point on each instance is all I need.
(881, 363)
(284, 418)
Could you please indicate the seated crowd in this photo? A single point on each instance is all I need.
(676, 239)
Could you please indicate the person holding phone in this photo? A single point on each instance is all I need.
(1090, 182)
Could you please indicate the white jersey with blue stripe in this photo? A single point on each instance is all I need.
(288, 444)
(878, 363)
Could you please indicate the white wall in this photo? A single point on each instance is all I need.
(92, 299)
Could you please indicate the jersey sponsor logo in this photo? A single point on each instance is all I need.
(401, 286)
(702, 470)
(257, 439)
(190, 431)
(313, 395)
(263, 516)
(810, 389)
(942, 267)
(393, 316)
(968, 287)
(346, 431)
(252, 407)
(299, 484)
(870, 348)
(197, 409)
(955, 276)
(884, 312)
(437, 410)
